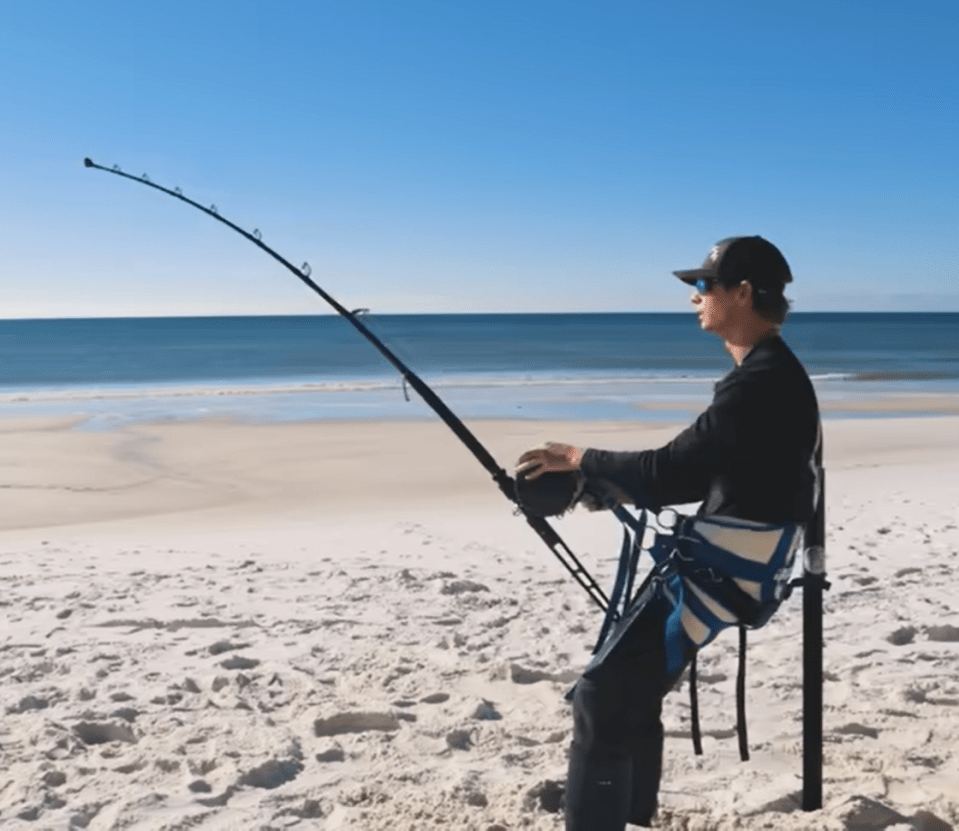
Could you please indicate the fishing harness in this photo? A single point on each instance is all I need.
(700, 567)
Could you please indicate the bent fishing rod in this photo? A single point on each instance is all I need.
(500, 476)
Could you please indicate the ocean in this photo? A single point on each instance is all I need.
(628, 366)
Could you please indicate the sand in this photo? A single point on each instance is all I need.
(344, 626)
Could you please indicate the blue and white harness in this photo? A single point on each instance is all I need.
(715, 572)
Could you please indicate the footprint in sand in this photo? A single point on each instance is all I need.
(355, 722)
(459, 739)
(435, 698)
(856, 729)
(334, 754)
(943, 634)
(127, 714)
(239, 662)
(462, 587)
(486, 711)
(103, 732)
(523, 675)
(220, 647)
(902, 636)
(30, 702)
(272, 773)
(923, 694)
(547, 795)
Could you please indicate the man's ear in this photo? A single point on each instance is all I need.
(745, 293)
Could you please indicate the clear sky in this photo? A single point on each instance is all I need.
(474, 155)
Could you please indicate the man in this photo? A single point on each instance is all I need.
(748, 459)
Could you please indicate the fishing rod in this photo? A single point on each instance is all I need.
(500, 476)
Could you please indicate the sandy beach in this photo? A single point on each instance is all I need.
(343, 625)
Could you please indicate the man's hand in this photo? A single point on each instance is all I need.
(550, 458)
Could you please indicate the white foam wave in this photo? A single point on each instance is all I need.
(330, 387)
(833, 376)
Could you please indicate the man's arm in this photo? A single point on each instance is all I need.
(681, 471)
(677, 473)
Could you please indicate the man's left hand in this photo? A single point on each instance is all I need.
(551, 457)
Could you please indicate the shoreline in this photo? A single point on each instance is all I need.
(639, 403)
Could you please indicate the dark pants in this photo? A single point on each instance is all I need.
(617, 752)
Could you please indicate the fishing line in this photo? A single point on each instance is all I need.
(500, 476)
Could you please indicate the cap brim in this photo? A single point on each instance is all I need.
(690, 276)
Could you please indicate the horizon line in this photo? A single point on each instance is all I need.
(208, 316)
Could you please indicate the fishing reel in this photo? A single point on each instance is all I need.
(549, 494)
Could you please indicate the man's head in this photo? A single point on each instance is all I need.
(745, 265)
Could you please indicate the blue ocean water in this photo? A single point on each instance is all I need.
(595, 366)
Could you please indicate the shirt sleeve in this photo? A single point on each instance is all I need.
(681, 471)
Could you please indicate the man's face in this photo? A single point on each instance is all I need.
(717, 308)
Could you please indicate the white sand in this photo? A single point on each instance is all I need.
(343, 626)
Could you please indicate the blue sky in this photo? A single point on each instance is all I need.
(474, 155)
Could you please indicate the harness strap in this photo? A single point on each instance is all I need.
(694, 726)
(625, 575)
(723, 588)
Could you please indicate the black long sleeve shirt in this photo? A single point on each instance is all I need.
(749, 455)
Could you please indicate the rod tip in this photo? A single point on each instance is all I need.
(88, 162)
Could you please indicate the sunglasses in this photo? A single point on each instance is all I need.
(704, 285)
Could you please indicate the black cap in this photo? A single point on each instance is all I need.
(735, 259)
